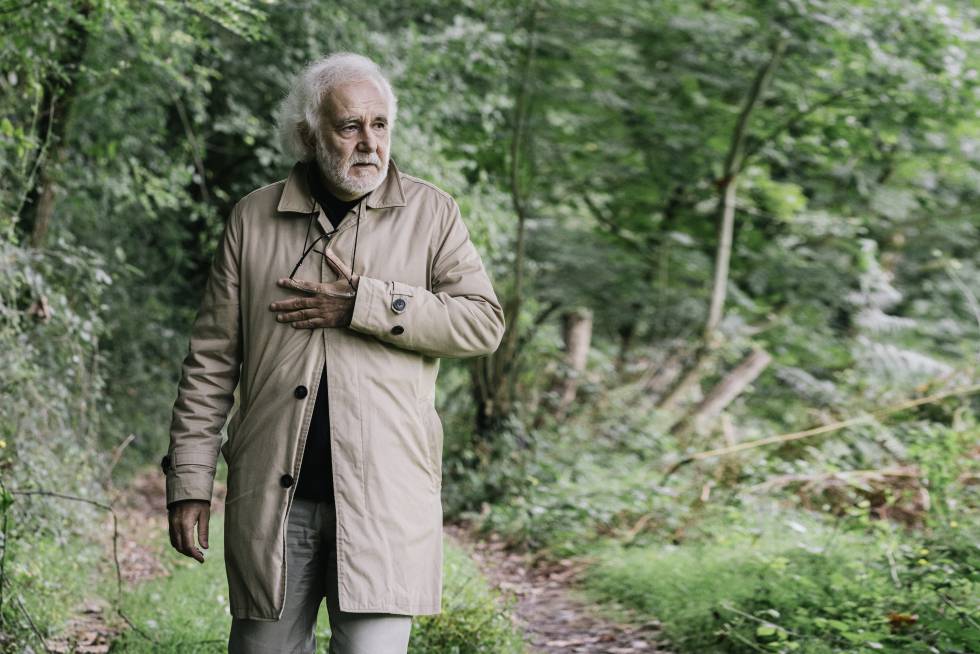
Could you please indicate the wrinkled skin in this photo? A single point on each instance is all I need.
(183, 518)
(325, 304)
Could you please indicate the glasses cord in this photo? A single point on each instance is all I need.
(328, 236)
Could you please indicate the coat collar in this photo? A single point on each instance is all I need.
(296, 196)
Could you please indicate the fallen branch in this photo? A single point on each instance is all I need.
(117, 603)
(30, 621)
(823, 429)
(908, 472)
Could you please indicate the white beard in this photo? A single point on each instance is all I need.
(337, 170)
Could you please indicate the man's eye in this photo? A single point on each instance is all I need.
(348, 128)
(380, 125)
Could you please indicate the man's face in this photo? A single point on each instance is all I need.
(354, 140)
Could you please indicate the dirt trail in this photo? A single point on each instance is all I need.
(140, 509)
(548, 609)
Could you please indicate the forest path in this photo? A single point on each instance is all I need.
(139, 509)
(549, 609)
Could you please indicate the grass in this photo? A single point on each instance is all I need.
(187, 611)
(794, 586)
(44, 584)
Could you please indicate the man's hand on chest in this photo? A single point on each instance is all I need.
(322, 304)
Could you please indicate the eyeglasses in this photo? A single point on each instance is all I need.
(327, 236)
(326, 239)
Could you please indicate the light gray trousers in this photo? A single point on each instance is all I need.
(311, 558)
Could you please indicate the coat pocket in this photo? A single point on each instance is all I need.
(228, 448)
(433, 441)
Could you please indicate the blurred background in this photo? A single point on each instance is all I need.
(737, 241)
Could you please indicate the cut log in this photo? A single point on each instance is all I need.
(734, 383)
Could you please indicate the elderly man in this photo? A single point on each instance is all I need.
(333, 341)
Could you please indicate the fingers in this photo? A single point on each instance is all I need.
(187, 541)
(174, 534)
(329, 307)
(313, 324)
(299, 284)
(293, 303)
(182, 524)
(204, 517)
(293, 316)
(319, 321)
(339, 288)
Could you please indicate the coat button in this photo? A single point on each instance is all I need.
(397, 329)
(398, 304)
(300, 392)
(286, 481)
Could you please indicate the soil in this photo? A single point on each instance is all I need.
(140, 509)
(549, 608)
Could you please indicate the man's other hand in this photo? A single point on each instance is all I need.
(183, 518)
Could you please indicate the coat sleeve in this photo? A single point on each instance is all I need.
(460, 316)
(209, 376)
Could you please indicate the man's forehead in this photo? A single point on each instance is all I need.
(354, 99)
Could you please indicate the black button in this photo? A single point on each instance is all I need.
(286, 481)
(300, 391)
(397, 329)
(398, 304)
(165, 463)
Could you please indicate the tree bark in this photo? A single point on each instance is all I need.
(726, 223)
(495, 375)
(59, 90)
(577, 335)
(733, 384)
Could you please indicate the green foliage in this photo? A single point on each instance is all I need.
(610, 123)
(187, 611)
(42, 585)
(474, 620)
(50, 326)
(791, 585)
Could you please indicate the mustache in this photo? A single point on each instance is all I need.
(371, 158)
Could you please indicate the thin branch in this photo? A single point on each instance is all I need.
(768, 623)
(105, 507)
(959, 610)
(195, 146)
(30, 621)
(968, 294)
(41, 153)
(823, 429)
(525, 338)
(614, 229)
(6, 541)
(115, 550)
(793, 120)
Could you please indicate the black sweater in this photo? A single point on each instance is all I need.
(316, 473)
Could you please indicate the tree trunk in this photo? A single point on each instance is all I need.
(734, 383)
(495, 378)
(726, 222)
(626, 333)
(59, 90)
(577, 335)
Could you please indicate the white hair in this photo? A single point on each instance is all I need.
(301, 105)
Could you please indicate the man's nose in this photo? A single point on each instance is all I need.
(368, 141)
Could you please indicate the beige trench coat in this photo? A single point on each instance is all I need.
(423, 294)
